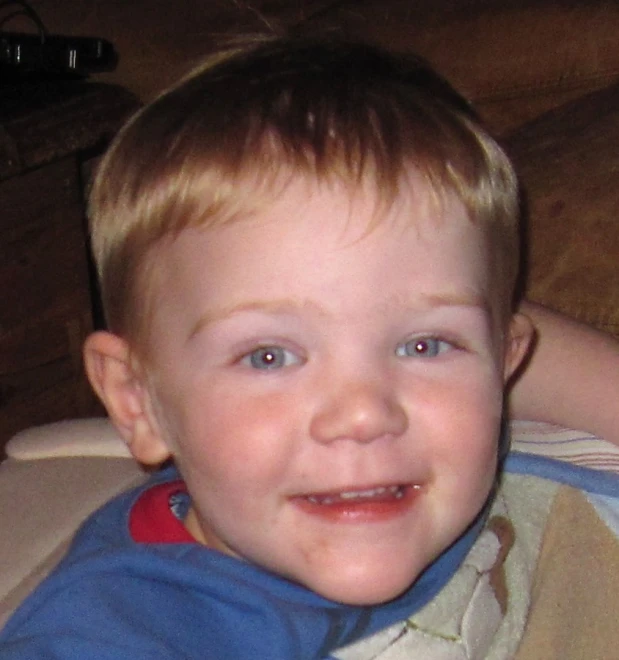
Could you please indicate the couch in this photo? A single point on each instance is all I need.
(545, 76)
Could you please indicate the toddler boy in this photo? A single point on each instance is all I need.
(307, 253)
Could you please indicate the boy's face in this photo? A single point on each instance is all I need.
(331, 394)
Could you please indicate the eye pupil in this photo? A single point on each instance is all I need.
(268, 357)
(421, 347)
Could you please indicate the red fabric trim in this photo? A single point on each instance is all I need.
(152, 521)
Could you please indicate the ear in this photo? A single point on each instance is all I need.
(518, 343)
(116, 378)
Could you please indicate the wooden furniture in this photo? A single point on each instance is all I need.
(49, 132)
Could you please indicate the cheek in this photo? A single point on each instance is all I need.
(465, 421)
(230, 436)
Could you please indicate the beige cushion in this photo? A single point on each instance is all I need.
(76, 437)
(52, 480)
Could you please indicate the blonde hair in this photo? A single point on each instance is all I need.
(214, 147)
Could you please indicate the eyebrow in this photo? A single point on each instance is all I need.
(289, 306)
(472, 299)
(425, 302)
(278, 307)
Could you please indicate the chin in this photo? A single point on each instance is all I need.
(379, 587)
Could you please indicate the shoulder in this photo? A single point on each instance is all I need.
(574, 559)
(576, 581)
(105, 581)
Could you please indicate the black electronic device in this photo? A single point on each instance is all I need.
(22, 53)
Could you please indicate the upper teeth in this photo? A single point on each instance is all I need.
(396, 491)
(371, 492)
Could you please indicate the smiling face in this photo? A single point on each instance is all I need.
(331, 395)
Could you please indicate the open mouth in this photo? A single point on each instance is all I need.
(379, 494)
(362, 505)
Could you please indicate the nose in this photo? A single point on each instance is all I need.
(359, 411)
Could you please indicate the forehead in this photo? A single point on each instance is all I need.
(316, 239)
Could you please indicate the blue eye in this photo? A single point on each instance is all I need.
(423, 347)
(269, 357)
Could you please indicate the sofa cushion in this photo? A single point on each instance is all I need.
(568, 160)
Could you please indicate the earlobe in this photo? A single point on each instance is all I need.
(518, 344)
(114, 376)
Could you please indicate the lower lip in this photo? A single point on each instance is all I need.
(361, 511)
